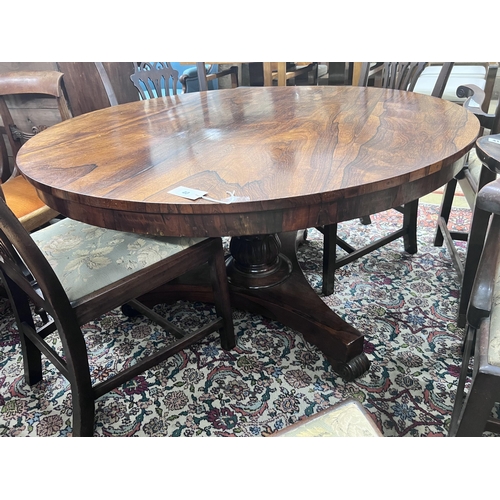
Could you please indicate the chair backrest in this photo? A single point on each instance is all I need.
(480, 74)
(391, 75)
(402, 75)
(281, 72)
(155, 79)
(27, 273)
(487, 278)
(24, 83)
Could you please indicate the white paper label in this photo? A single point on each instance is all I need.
(189, 193)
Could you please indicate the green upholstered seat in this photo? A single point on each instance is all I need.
(86, 258)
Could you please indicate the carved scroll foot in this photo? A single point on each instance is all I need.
(352, 369)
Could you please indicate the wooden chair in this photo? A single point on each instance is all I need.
(98, 271)
(401, 76)
(205, 76)
(470, 185)
(481, 74)
(19, 194)
(391, 75)
(90, 86)
(283, 73)
(473, 415)
(155, 79)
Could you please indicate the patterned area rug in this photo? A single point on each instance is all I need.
(405, 304)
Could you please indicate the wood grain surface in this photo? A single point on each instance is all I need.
(488, 151)
(301, 156)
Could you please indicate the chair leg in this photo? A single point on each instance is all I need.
(459, 396)
(221, 295)
(410, 217)
(477, 407)
(83, 413)
(329, 257)
(445, 210)
(32, 357)
(475, 244)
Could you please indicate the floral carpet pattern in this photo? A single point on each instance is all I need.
(405, 305)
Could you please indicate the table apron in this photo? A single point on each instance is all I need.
(288, 218)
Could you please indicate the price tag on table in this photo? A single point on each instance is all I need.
(189, 193)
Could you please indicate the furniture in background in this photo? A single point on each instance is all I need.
(128, 159)
(284, 73)
(34, 269)
(480, 74)
(345, 419)
(207, 76)
(473, 414)
(392, 75)
(96, 85)
(156, 79)
(470, 183)
(18, 193)
(335, 73)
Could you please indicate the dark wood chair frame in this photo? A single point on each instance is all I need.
(391, 75)
(472, 413)
(154, 77)
(29, 279)
(204, 77)
(406, 75)
(151, 75)
(470, 187)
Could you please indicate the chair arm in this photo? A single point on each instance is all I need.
(182, 80)
(474, 103)
(480, 304)
(232, 71)
(488, 198)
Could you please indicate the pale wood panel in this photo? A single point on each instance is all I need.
(27, 66)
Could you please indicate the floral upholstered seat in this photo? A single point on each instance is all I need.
(86, 258)
(346, 419)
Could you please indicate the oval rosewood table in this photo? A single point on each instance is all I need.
(291, 157)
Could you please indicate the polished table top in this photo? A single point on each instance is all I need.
(300, 156)
(293, 158)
